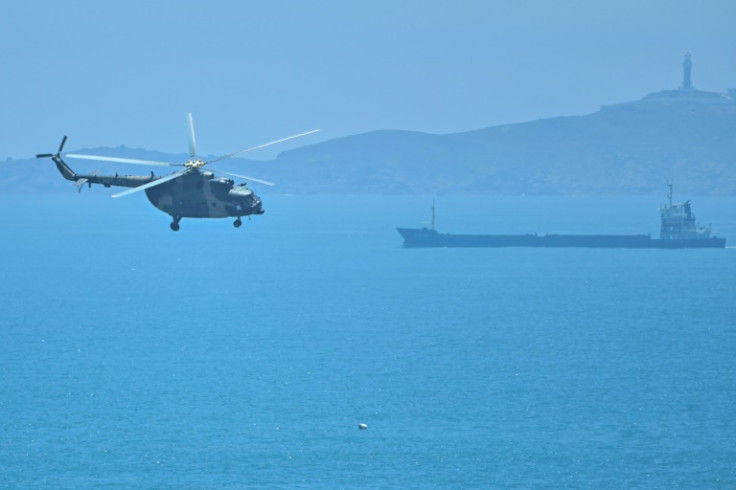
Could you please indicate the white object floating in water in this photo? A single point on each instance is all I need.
(362, 426)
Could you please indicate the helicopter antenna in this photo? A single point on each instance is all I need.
(192, 140)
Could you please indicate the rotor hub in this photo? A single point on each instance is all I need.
(195, 163)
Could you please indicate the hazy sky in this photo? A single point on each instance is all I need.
(115, 72)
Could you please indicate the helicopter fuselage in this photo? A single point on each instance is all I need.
(193, 194)
(198, 194)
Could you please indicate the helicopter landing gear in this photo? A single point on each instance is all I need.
(174, 225)
(237, 223)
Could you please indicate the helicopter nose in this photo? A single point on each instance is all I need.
(256, 205)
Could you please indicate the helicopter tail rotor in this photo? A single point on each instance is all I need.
(66, 172)
(61, 146)
(52, 155)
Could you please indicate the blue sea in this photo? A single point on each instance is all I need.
(135, 357)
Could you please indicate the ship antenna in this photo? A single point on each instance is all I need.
(669, 192)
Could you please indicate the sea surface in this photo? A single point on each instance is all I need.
(135, 357)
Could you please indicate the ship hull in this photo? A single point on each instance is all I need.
(424, 237)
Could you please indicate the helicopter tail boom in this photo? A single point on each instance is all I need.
(64, 169)
(93, 178)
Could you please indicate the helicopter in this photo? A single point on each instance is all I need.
(191, 192)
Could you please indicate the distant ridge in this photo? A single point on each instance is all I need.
(684, 135)
(626, 150)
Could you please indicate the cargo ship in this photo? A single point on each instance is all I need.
(679, 229)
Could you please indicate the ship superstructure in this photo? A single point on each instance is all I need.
(678, 221)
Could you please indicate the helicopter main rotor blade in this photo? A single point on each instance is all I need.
(153, 183)
(61, 146)
(230, 155)
(192, 140)
(123, 160)
(264, 182)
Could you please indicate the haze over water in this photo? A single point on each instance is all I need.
(108, 75)
(133, 356)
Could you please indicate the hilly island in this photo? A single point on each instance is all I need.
(682, 135)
